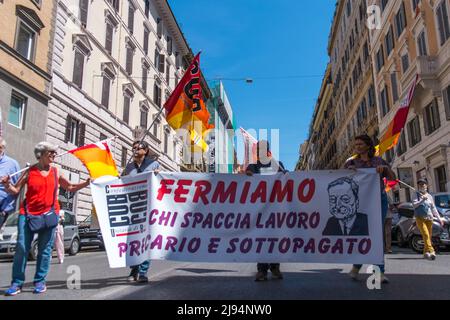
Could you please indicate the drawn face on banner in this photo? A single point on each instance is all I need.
(343, 201)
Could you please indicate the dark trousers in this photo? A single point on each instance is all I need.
(264, 267)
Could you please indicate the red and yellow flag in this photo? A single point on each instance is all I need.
(392, 134)
(186, 107)
(97, 158)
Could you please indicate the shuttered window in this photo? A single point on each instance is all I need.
(126, 109)
(84, 5)
(78, 67)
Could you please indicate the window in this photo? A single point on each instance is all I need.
(144, 117)
(349, 8)
(75, 131)
(414, 132)
(446, 95)
(84, 5)
(25, 42)
(405, 62)
(394, 87)
(168, 74)
(147, 8)
(166, 141)
(443, 22)
(159, 28)
(109, 37)
(17, 110)
(105, 91)
(401, 147)
(144, 78)
(129, 64)
(371, 97)
(126, 109)
(78, 67)
(157, 92)
(441, 179)
(431, 118)
(159, 61)
(169, 45)
(131, 18)
(124, 157)
(422, 44)
(366, 52)
(146, 34)
(384, 3)
(415, 4)
(389, 41)
(400, 20)
(115, 4)
(103, 137)
(384, 99)
(380, 59)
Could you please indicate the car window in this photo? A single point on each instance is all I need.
(69, 219)
(12, 220)
(443, 201)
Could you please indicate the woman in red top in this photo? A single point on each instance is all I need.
(43, 181)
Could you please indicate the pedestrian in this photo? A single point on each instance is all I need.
(365, 158)
(266, 165)
(59, 238)
(8, 166)
(141, 163)
(425, 212)
(38, 214)
(388, 227)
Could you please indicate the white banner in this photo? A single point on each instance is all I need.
(309, 217)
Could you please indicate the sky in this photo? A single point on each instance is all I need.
(281, 44)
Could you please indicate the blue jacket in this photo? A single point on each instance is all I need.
(8, 166)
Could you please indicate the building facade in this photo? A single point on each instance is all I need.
(25, 73)
(413, 38)
(115, 63)
(353, 98)
(346, 105)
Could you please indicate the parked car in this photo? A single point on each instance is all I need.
(91, 236)
(442, 202)
(405, 232)
(8, 245)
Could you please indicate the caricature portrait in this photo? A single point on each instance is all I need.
(344, 203)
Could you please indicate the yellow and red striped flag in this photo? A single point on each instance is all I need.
(186, 109)
(97, 158)
(392, 134)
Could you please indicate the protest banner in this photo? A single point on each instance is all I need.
(309, 217)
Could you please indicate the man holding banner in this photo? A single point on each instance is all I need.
(141, 163)
(266, 165)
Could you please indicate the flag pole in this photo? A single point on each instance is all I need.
(144, 136)
(20, 171)
(67, 152)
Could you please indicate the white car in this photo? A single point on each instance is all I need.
(8, 244)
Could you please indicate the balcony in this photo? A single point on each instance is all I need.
(428, 68)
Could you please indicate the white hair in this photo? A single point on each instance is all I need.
(42, 147)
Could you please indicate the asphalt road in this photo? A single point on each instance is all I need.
(411, 277)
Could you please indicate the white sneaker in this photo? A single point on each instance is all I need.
(432, 256)
(1, 237)
(427, 256)
(61, 261)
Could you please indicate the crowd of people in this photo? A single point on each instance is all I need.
(40, 211)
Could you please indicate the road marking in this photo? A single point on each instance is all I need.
(130, 288)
